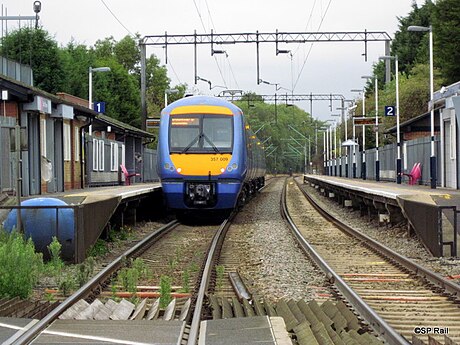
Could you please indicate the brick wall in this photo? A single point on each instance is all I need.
(9, 108)
(415, 135)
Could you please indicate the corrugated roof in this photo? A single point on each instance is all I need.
(111, 121)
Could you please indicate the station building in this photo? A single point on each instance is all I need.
(63, 144)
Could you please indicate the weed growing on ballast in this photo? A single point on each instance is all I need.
(165, 291)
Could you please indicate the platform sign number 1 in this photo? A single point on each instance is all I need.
(99, 107)
(390, 110)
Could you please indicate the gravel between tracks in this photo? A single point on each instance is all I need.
(395, 237)
(273, 265)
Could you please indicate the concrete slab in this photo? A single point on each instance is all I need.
(9, 327)
(243, 331)
(87, 332)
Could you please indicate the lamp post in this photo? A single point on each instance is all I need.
(398, 134)
(91, 70)
(328, 151)
(363, 162)
(169, 92)
(325, 153)
(377, 162)
(339, 148)
(343, 120)
(433, 166)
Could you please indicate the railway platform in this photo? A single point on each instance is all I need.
(431, 213)
(89, 210)
(261, 329)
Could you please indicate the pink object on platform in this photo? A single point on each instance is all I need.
(415, 174)
(128, 175)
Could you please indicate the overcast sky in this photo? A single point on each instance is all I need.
(328, 68)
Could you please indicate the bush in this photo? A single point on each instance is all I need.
(20, 265)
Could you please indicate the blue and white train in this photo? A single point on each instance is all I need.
(208, 158)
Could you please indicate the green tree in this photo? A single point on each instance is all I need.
(128, 54)
(272, 124)
(446, 32)
(38, 49)
(412, 47)
(119, 90)
(76, 60)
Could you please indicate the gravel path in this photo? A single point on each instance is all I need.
(275, 267)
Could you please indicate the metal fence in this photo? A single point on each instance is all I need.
(412, 151)
(150, 165)
(16, 71)
(8, 161)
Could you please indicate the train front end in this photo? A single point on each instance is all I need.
(201, 161)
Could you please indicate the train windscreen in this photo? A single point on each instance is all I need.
(201, 134)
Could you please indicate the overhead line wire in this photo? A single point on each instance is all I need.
(204, 28)
(118, 20)
(311, 47)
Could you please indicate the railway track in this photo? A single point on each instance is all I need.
(308, 320)
(156, 251)
(396, 296)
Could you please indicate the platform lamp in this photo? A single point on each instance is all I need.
(433, 166)
(363, 163)
(335, 146)
(91, 70)
(169, 92)
(398, 134)
(90, 98)
(377, 162)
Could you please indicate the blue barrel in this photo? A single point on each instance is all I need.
(41, 224)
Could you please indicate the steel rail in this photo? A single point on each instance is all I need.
(432, 277)
(35, 330)
(380, 326)
(206, 277)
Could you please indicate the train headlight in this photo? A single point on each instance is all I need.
(232, 167)
(222, 170)
(166, 166)
(179, 170)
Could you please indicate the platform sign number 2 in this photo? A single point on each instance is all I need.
(99, 107)
(390, 110)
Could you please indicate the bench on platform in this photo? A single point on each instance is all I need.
(128, 174)
(415, 174)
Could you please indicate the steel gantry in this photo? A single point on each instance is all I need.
(219, 40)
(231, 95)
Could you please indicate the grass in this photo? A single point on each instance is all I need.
(165, 291)
(220, 270)
(20, 265)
